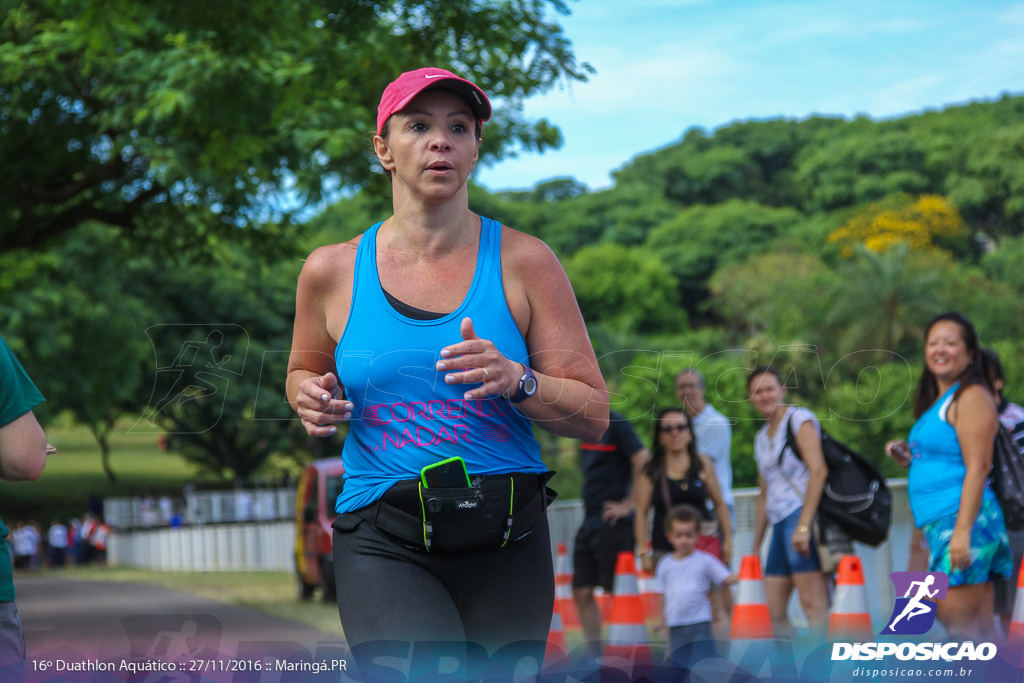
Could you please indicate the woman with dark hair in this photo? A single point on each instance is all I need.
(790, 490)
(950, 455)
(443, 337)
(675, 475)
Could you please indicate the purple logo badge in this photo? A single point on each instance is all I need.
(914, 612)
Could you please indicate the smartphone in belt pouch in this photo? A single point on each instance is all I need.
(447, 474)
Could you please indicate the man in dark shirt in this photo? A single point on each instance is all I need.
(609, 466)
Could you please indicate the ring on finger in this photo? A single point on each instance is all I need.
(487, 375)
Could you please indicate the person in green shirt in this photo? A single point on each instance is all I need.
(22, 458)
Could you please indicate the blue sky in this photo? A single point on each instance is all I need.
(664, 66)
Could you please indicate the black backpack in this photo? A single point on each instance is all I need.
(856, 498)
(1007, 478)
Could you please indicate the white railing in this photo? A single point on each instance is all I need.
(267, 546)
(202, 507)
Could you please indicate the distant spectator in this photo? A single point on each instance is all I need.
(57, 540)
(98, 541)
(89, 525)
(790, 490)
(75, 540)
(243, 505)
(609, 467)
(683, 581)
(26, 545)
(166, 506)
(149, 512)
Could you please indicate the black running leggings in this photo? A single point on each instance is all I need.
(405, 608)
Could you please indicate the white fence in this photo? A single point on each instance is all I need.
(202, 507)
(267, 546)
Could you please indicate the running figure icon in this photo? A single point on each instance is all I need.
(921, 593)
(915, 607)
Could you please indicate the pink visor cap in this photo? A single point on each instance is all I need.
(410, 84)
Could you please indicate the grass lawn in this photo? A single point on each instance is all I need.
(269, 592)
(74, 473)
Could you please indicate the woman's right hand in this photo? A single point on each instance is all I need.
(899, 451)
(647, 563)
(319, 406)
(960, 550)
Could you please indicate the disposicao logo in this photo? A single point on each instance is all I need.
(914, 613)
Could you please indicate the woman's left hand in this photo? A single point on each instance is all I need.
(960, 550)
(727, 550)
(802, 542)
(477, 361)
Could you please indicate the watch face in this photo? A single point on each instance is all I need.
(530, 386)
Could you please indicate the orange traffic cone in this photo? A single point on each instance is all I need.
(850, 618)
(627, 630)
(1016, 634)
(563, 588)
(750, 617)
(645, 586)
(557, 647)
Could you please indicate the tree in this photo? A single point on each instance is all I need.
(159, 118)
(80, 330)
(921, 223)
(630, 290)
(863, 161)
(989, 186)
(886, 298)
(782, 291)
(750, 160)
(699, 239)
(219, 338)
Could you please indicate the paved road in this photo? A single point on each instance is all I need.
(78, 621)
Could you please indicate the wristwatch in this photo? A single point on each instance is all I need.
(803, 528)
(527, 386)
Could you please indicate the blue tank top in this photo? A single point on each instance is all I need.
(936, 477)
(405, 415)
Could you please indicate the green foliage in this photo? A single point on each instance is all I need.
(220, 341)
(994, 306)
(886, 299)
(626, 289)
(701, 238)
(859, 163)
(872, 406)
(782, 291)
(131, 113)
(989, 186)
(749, 160)
(1004, 264)
(69, 329)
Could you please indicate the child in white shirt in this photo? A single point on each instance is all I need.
(683, 580)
